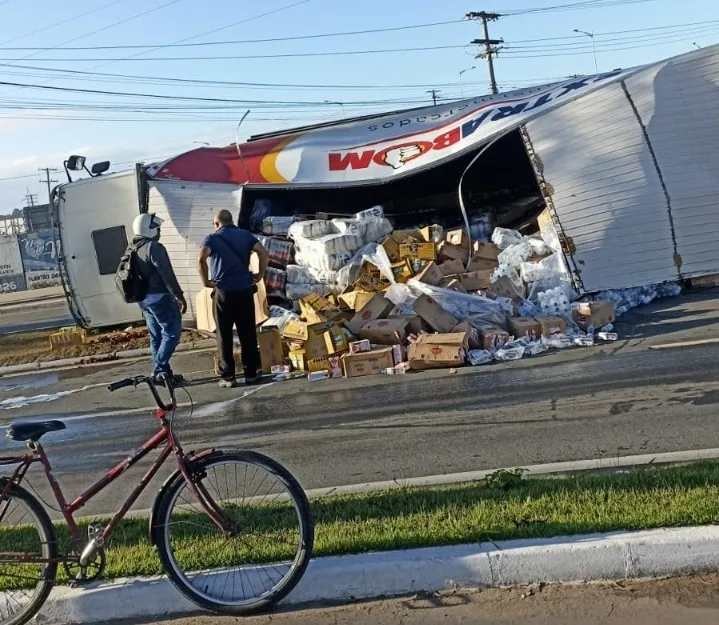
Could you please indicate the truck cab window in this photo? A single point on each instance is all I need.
(110, 244)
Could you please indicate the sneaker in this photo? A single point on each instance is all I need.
(227, 383)
(253, 380)
(175, 378)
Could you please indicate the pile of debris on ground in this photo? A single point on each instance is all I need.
(352, 297)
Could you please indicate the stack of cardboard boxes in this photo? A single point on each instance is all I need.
(360, 332)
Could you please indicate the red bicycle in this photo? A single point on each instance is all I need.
(206, 535)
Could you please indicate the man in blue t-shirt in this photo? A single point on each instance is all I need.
(229, 250)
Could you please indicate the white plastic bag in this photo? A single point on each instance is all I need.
(503, 238)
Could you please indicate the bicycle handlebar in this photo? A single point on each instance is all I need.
(143, 379)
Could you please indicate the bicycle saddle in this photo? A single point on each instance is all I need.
(33, 431)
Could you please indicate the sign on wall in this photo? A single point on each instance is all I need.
(40, 259)
(11, 270)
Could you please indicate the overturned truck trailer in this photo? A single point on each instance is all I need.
(623, 161)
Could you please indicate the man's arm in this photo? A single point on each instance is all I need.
(159, 258)
(203, 269)
(264, 258)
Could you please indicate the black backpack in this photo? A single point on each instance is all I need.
(129, 281)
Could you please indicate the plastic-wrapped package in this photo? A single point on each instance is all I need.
(515, 255)
(506, 354)
(479, 357)
(330, 245)
(537, 347)
(376, 212)
(509, 272)
(559, 341)
(504, 238)
(507, 304)
(476, 309)
(279, 250)
(275, 225)
(376, 230)
(311, 229)
(550, 273)
(275, 279)
(584, 341)
(296, 292)
(539, 247)
(350, 226)
(528, 309)
(669, 289)
(555, 302)
(332, 262)
(298, 274)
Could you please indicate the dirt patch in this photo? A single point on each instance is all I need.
(29, 347)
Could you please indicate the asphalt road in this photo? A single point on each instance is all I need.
(682, 601)
(18, 318)
(615, 400)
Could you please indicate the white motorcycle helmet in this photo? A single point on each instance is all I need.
(146, 225)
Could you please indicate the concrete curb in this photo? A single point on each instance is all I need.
(86, 360)
(593, 557)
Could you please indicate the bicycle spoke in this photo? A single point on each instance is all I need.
(258, 557)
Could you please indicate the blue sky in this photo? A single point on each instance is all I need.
(39, 127)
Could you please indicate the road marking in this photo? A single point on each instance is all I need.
(685, 344)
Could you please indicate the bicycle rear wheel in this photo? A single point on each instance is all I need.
(28, 557)
(268, 549)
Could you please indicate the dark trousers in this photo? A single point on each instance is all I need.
(236, 309)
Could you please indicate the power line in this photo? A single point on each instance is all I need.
(247, 41)
(243, 56)
(575, 6)
(73, 18)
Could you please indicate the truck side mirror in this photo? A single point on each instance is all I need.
(100, 168)
(76, 163)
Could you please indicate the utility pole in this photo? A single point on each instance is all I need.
(491, 48)
(434, 93)
(30, 197)
(47, 180)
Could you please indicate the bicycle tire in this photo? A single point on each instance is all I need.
(302, 506)
(50, 551)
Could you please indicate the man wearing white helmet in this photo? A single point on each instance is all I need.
(164, 304)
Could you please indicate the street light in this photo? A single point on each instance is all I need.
(469, 69)
(594, 47)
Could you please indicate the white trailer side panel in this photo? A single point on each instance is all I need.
(606, 191)
(95, 217)
(188, 209)
(677, 103)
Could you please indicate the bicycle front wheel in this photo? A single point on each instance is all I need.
(267, 550)
(28, 557)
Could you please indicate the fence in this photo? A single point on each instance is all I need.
(28, 260)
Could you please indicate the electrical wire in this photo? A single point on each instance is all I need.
(248, 41)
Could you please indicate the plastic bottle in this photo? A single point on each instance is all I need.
(608, 336)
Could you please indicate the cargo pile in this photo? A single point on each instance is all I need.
(353, 298)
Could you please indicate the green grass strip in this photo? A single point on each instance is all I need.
(504, 506)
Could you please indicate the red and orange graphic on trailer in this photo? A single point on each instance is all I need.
(379, 148)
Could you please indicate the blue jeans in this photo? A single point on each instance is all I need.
(164, 323)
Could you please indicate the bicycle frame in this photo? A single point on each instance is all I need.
(165, 435)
